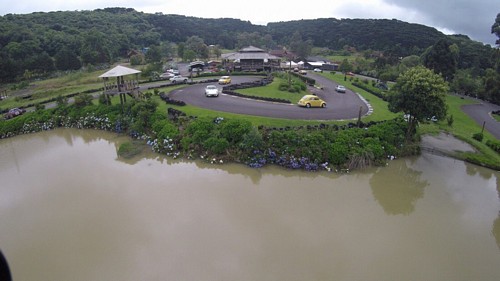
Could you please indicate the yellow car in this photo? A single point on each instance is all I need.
(311, 101)
(225, 80)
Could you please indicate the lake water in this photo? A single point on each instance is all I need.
(70, 209)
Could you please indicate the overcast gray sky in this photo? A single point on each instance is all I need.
(472, 18)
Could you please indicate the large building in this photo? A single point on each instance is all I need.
(250, 59)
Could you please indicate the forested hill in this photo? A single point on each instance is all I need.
(362, 33)
(41, 42)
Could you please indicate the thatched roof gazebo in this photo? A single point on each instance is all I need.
(121, 86)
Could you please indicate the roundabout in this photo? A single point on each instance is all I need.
(340, 106)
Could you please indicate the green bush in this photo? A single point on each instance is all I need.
(199, 130)
(375, 91)
(137, 59)
(296, 88)
(158, 125)
(283, 86)
(478, 137)
(338, 154)
(493, 144)
(252, 140)
(216, 145)
(235, 129)
(450, 120)
(168, 131)
(39, 107)
(83, 100)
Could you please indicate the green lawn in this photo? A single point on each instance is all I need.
(272, 91)
(496, 117)
(351, 59)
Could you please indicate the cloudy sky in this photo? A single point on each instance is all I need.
(472, 18)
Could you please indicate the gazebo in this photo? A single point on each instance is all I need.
(121, 86)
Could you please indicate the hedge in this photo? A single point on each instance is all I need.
(376, 92)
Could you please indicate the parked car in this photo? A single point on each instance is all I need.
(340, 89)
(211, 91)
(14, 112)
(178, 79)
(303, 72)
(166, 75)
(173, 71)
(317, 70)
(225, 80)
(311, 101)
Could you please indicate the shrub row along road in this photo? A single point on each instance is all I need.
(339, 106)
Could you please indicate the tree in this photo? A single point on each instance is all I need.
(465, 84)
(420, 94)
(66, 59)
(409, 62)
(495, 29)
(300, 47)
(198, 46)
(95, 48)
(217, 51)
(491, 82)
(492, 76)
(41, 62)
(442, 58)
(154, 54)
(345, 67)
(181, 48)
(189, 55)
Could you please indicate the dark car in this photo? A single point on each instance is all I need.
(14, 112)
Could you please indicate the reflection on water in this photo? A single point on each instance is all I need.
(397, 189)
(70, 209)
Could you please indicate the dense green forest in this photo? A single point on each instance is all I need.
(32, 45)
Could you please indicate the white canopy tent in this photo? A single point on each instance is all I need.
(119, 71)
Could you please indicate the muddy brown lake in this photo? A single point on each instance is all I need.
(71, 209)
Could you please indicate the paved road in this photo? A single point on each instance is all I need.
(339, 106)
(481, 113)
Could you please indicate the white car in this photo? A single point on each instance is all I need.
(211, 91)
(178, 79)
(340, 89)
(166, 75)
(317, 70)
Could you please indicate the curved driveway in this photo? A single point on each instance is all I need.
(339, 106)
(481, 113)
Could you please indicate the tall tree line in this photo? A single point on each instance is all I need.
(42, 42)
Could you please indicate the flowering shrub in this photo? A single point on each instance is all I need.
(310, 148)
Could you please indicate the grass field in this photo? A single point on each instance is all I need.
(272, 91)
(496, 117)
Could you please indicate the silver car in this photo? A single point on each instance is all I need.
(211, 91)
(178, 79)
(340, 89)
